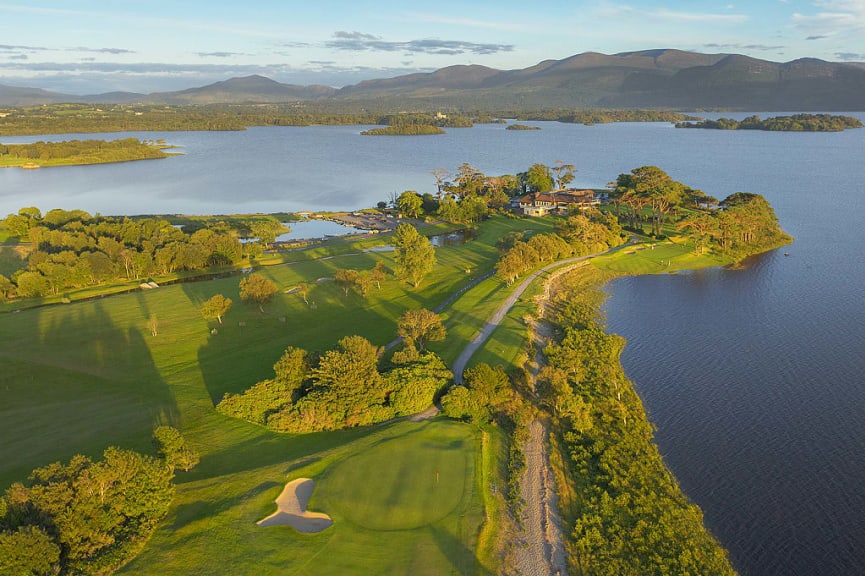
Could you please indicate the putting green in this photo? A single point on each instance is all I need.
(403, 482)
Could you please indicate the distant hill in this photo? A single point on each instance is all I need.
(242, 90)
(17, 96)
(659, 78)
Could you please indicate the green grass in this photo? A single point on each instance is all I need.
(665, 256)
(378, 485)
(79, 377)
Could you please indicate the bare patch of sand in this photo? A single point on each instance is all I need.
(291, 509)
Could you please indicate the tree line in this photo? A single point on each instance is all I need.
(76, 118)
(631, 516)
(73, 249)
(90, 517)
(579, 234)
(73, 118)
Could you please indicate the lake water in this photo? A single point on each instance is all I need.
(753, 377)
(313, 228)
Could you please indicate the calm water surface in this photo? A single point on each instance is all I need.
(753, 377)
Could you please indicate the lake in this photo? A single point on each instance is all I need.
(753, 377)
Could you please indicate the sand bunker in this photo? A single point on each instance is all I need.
(291, 509)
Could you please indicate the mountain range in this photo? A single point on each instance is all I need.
(663, 78)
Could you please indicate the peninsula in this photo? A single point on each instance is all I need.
(79, 152)
(391, 328)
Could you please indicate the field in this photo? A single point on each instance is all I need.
(79, 377)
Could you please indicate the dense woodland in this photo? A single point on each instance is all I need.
(794, 123)
(631, 516)
(80, 152)
(74, 249)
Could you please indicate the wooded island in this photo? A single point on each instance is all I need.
(794, 123)
(79, 152)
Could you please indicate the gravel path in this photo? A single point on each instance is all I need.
(540, 551)
(481, 337)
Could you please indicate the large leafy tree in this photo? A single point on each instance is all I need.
(216, 307)
(171, 446)
(538, 178)
(257, 289)
(417, 327)
(410, 204)
(415, 254)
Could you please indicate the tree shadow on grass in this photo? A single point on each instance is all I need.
(461, 557)
(76, 379)
(185, 514)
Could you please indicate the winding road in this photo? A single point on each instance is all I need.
(459, 364)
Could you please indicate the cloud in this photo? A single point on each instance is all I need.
(14, 48)
(850, 56)
(359, 42)
(18, 57)
(220, 54)
(836, 18)
(817, 37)
(101, 50)
(761, 47)
(354, 35)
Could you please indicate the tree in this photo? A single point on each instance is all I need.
(410, 204)
(539, 178)
(345, 278)
(28, 551)
(216, 307)
(302, 290)
(153, 324)
(441, 175)
(564, 173)
(7, 288)
(172, 448)
(257, 289)
(363, 282)
(378, 274)
(468, 180)
(417, 327)
(659, 190)
(266, 231)
(414, 254)
(350, 373)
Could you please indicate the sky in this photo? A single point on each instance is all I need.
(87, 47)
